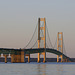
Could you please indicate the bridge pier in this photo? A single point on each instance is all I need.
(15, 58)
(57, 58)
(12, 58)
(44, 60)
(22, 56)
(61, 56)
(38, 58)
(28, 55)
(5, 58)
(18, 58)
(29, 58)
(60, 45)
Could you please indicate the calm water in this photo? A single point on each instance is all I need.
(37, 69)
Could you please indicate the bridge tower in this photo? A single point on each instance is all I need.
(43, 28)
(60, 45)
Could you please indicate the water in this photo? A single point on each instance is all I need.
(37, 68)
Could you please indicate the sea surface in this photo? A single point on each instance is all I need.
(51, 68)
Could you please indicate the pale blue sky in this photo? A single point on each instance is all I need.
(18, 19)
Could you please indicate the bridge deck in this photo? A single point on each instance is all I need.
(31, 51)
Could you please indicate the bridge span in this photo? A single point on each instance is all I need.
(18, 55)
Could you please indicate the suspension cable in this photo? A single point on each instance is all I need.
(31, 38)
(49, 37)
(64, 47)
(55, 43)
(34, 44)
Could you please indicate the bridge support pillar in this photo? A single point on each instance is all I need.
(61, 58)
(12, 58)
(5, 58)
(38, 58)
(28, 55)
(60, 45)
(44, 58)
(57, 58)
(17, 58)
(22, 56)
(42, 38)
(29, 58)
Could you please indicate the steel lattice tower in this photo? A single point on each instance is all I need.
(43, 28)
(60, 45)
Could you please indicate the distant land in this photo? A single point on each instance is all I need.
(2, 59)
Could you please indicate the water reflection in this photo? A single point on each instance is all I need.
(41, 69)
(60, 69)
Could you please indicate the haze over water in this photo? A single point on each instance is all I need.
(37, 68)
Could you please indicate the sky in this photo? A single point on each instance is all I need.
(18, 19)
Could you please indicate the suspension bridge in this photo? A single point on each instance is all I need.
(40, 43)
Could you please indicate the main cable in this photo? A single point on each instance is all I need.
(32, 37)
(49, 37)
